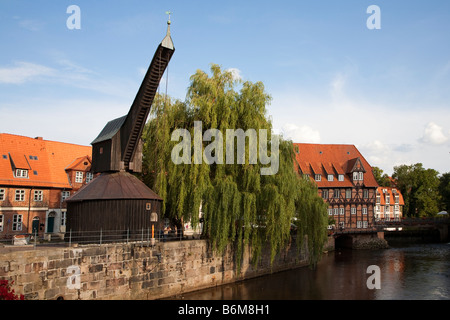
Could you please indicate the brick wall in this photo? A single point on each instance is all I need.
(130, 271)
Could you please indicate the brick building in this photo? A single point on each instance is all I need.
(36, 176)
(345, 181)
(389, 204)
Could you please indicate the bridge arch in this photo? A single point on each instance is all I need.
(343, 241)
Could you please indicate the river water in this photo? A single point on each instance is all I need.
(408, 272)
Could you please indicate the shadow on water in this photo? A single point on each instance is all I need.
(419, 271)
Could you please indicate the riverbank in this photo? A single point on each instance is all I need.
(419, 271)
(133, 271)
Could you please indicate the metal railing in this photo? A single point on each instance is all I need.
(144, 237)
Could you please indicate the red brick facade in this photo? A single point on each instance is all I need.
(36, 176)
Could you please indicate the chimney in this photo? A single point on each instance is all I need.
(39, 138)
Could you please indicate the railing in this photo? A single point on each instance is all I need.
(142, 237)
(412, 221)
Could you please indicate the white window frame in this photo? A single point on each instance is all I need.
(1, 222)
(348, 193)
(364, 210)
(38, 195)
(2, 194)
(355, 176)
(17, 222)
(341, 177)
(361, 176)
(365, 224)
(63, 218)
(89, 177)
(20, 195)
(79, 176)
(65, 195)
(318, 177)
(336, 211)
(330, 211)
(330, 177)
(359, 224)
(353, 210)
(341, 211)
(21, 173)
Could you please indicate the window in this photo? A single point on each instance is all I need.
(325, 194)
(38, 195)
(79, 177)
(1, 222)
(330, 212)
(361, 176)
(21, 173)
(89, 177)
(364, 210)
(353, 210)
(318, 177)
(336, 211)
(388, 198)
(65, 195)
(336, 193)
(378, 198)
(348, 193)
(388, 208)
(20, 195)
(63, 218)
(365, 224)
(366, 193)
(2, 194)
(341, 177)
(341, 211)
(397, 199)
(330, 177)
(17, 222)
(377, 208)
(359, 224)
(355, 176)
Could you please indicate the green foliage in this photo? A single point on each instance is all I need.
(240, 206)
(444, 191)
(383, 180)
(419, 187)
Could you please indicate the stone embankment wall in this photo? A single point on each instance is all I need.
(130, 271)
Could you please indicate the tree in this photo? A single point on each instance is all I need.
(444, 191)
(419, 187)
(240, 205)
(383, 180)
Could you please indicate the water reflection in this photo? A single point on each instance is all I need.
(415, 272)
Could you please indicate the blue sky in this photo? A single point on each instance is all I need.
(331, 78)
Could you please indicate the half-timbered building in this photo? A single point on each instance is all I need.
(345, 181)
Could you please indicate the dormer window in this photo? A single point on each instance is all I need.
(358, 176)
(79, 176)
(330, 177)
(318, 177)
(21, 173)
(341, 177)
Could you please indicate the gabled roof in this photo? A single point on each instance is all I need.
(342, 158)
(392, 192)
(116, 185)
(45, 161)
(110, 130)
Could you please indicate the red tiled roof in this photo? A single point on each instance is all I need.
(341, 157)
(392, 192)
(45, 160)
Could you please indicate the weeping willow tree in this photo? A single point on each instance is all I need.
(240, 205)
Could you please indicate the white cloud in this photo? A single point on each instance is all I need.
(236, 73)
(433, 134)
(24, 71)
(300, 134)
